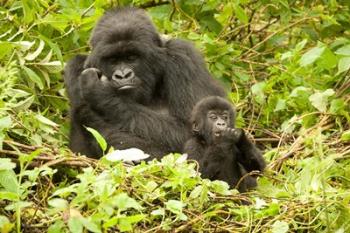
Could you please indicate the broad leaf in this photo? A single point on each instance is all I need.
(312, 55)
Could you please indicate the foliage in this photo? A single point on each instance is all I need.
(285, 65)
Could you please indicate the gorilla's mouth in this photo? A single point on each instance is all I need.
(126, 84)
(217, 133)
(126, 87)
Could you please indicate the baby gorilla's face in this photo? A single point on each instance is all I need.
(218, 121)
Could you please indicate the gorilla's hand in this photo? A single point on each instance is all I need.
(89, 82)
(229, 134)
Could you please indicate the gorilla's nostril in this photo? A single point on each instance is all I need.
(118, 74)
(129, 74)
(123, 74)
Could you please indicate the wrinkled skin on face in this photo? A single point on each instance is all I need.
(218, 122)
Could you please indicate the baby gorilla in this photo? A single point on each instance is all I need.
(222, 151)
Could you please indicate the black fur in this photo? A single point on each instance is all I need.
(135, 88)
(222, 151)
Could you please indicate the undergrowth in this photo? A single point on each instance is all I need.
(285, 65)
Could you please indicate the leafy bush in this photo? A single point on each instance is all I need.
(285, 65)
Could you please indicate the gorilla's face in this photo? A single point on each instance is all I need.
(211, 117)
(216, 121)
(128, 51)
(123, 69)
(128, 67)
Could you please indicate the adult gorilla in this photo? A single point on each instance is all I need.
(136, 89)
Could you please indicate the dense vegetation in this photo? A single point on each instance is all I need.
(285, 64)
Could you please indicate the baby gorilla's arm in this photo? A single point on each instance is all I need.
(251, 157)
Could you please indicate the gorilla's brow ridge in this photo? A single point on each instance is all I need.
(120, 49)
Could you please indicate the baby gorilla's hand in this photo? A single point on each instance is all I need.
(228, 134)
(232, 134)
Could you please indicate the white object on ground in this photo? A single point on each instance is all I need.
(127, 155)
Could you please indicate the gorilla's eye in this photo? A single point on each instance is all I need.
(225, 117)
(213, 117)
(131, 57)
(110, 59)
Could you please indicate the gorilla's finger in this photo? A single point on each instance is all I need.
(92, 71)
(237, 133)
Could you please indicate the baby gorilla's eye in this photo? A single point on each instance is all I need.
(213, 117)
(225, 117)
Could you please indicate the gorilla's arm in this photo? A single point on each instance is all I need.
(71, 72)
(250, 156)
(187, 78)
(80, 114)
(135, 118)
(194, 150)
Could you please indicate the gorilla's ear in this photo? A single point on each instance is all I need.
(198, 126)
(195, 127)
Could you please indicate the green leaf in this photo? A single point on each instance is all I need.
(242, 76)
(220, 187)
(24, 45)
(5, 225)
(240, 14)
(99, 138)
(281, 105)
(45, 121)
(175, 207)
(301, 45)
(345, 137)
(57, 227)
(18, 205)
(52, 66)
(328, 60)
(196, 192)
(8, 180)
(91, 226)
(337, 107)
(36, 53)
(345, 50)
(225, 14)
(124, 202)
(9, 196)
(5, 49)
(272, 210)
(34, 77)
(28, 11)
(158, 212)
(286, 55)
(54, 47)
(25, 158)
(75, 225)
(5, 122)
(258, 91)
(24, 104)
(280, 227)
(312, 55)
(58, 203)
(125, 223)
(6, 164)
(320, 99)
(343, 64)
